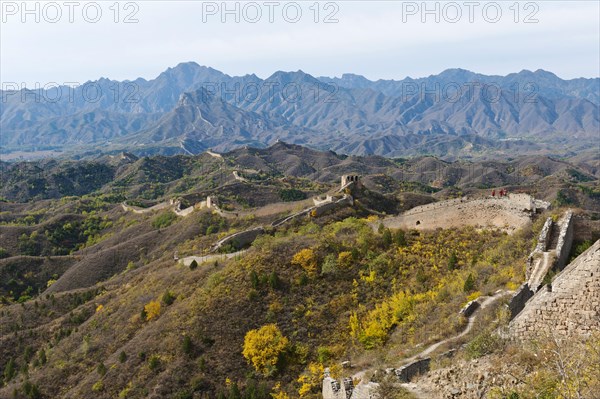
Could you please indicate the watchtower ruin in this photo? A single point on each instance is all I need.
(347, 179)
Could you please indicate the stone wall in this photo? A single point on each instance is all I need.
(408, 372)
(523, 202)
(540, 248)
(505, 213)
(157, 207)
(435, 205)
(551, 253)
(333, 389)
(348, 179)
(241, 239)
(570, 305)
(565, 240)
(544, 237)
(519, 299)
(326, 207)
(323, 199)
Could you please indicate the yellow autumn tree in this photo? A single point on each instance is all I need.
(152, 310)
(310, 381)
(262, 348)
(278, 393)
(345, 259)
(307, 260)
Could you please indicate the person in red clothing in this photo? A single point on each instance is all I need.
(493, 192)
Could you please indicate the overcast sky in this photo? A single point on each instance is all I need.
(383, 39)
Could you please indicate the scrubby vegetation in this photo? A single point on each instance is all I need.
(301, 301)
(130, 321)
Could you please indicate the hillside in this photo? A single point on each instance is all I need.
(99, 296)
(284, 166)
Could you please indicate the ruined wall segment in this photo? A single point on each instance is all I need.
(565, 240)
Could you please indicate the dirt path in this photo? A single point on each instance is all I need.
(414, 388)
(484, 303)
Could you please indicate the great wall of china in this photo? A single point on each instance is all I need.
(569, 305)
(509, 213)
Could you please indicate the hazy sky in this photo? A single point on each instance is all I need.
(378, 39)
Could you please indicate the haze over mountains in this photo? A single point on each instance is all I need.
(191, 108)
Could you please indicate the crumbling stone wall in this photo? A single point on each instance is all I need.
(541, 247)
(348, 179)
(333, 389)
(565, 240)
(408, 372)
(522, 201)
(570, 305)
(518, 301)
(549, 254)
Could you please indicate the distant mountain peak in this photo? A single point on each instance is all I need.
(292, 77)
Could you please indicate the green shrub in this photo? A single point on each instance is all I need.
(274, 282)
(42, 357)
(483, 344)
(122, 357)
(168, 298)
(101, 369)
(187, 346)
(387, 238)
(164, 220)
(154, 362)
(9, 370)
(3, 253)
(452, 261)
(291, 194)
(183, 394)
(400, 238)
(254, 279)
(323, 354)
(329, 265)
(469, 283)
(98, 386)
(31, 390)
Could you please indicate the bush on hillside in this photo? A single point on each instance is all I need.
(263, 348)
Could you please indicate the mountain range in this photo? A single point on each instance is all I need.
(192, 108)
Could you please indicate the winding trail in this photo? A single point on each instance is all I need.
(484, 302)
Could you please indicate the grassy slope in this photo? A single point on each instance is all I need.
(216, 306)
